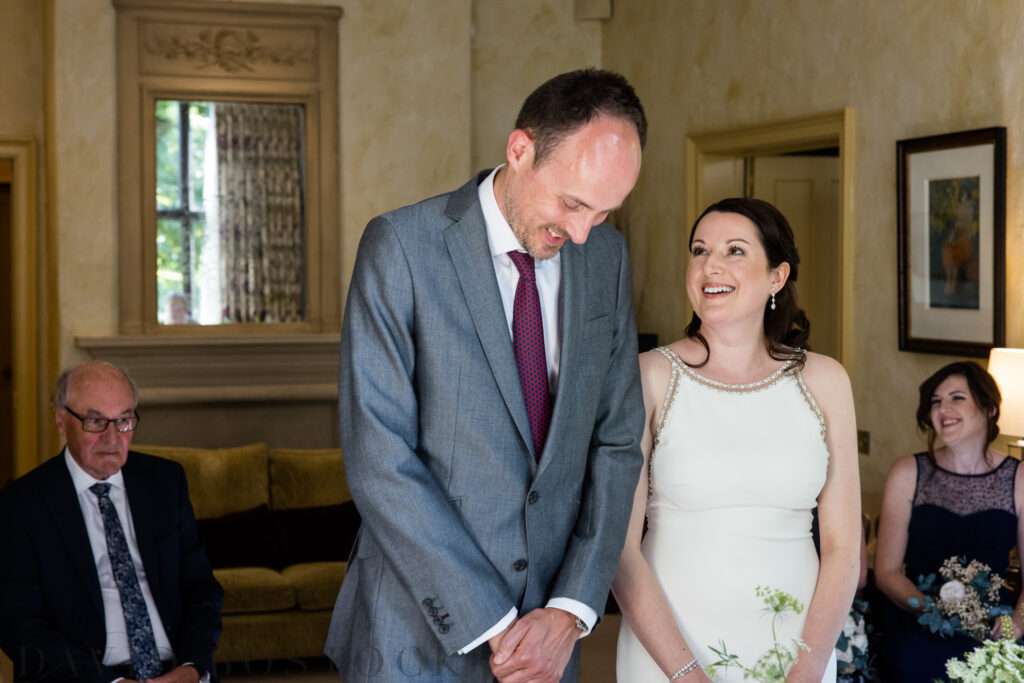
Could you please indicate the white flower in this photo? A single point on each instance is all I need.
(845, 655)
(850, 627)
(952, 590)
(860, 641)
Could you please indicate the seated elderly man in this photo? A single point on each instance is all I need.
(104, 576)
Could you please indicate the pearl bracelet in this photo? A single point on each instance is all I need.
(690, 666)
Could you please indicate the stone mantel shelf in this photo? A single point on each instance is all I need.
(211, 369)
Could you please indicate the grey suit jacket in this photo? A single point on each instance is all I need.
(461, 523)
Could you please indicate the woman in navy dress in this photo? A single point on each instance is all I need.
(962, 499)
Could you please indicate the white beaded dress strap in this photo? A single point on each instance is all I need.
(670, 393)
(812, 404)
(676, 364)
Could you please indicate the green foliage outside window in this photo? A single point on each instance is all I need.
(180, 202)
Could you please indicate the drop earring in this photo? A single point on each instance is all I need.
(773, 299)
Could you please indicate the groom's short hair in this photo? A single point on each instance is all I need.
(567, 102)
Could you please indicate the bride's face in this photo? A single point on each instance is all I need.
(728, 277)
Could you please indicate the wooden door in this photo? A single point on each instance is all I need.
(6, 328)
(806, 190)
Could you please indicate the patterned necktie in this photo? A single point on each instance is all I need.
(145, 659)
(528, 340)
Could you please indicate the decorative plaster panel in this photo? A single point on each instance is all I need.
(186, 49)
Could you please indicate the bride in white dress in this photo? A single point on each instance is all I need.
(745, 434)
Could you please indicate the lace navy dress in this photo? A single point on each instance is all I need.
(969, 515)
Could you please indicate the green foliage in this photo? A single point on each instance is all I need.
(992, 662)
(772, 666)
(175, 200)
(852, 656)
(168, 155)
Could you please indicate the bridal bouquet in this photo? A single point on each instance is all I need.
(995, 661)
(965, 603)
(771, 667)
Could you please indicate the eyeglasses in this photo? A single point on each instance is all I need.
(99, 424)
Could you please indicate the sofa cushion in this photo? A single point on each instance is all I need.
(240, 539)
(315, 534)
(254, 589)
(221, 480)
(316, 583)
(305, 477)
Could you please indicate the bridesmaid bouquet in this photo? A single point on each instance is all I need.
(852, 648)
(964, 604)
(994, 661)
(771, 667)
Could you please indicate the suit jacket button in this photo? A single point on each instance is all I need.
(519, 565)
(427, 602)
(433, 611)
(443, 629)
(437, 620)
(533, 497)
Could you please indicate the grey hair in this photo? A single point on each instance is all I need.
(63, 386)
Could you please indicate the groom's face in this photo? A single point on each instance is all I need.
(587, 175)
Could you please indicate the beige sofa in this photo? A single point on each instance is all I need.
(278, 524)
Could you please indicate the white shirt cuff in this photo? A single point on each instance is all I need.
(491, 632)
(587, 615)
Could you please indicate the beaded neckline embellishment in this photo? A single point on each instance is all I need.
(679, 368)
(750, 387)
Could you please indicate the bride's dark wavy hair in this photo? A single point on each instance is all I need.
(786, 328)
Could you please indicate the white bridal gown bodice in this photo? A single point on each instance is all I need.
(735, 472)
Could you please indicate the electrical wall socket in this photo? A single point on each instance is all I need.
(863, 441)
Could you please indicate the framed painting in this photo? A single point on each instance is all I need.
(951, 219)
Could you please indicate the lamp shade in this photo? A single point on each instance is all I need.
(1007, 367)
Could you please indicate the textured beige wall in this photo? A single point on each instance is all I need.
(21, 77)
(405, 107)
(516, 47)
(85, 172)
(910, 68)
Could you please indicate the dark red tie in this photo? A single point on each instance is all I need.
(528, 340)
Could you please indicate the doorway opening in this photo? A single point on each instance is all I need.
(20, 348)
(805, 168)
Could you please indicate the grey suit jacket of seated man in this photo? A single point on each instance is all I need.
(461, 522)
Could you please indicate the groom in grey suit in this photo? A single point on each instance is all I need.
(494, 507)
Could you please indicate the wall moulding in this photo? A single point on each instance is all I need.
(236, 52)
(242, 52)
(224, 369)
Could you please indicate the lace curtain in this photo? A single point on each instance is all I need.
(260, 188)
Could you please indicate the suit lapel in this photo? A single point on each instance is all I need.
(470, 252)
(62, 501)
(140, 505)
(571, 309)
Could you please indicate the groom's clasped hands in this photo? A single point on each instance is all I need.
(535, 647)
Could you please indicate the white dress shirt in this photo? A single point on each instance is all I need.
(118, 651)
(549, 280)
